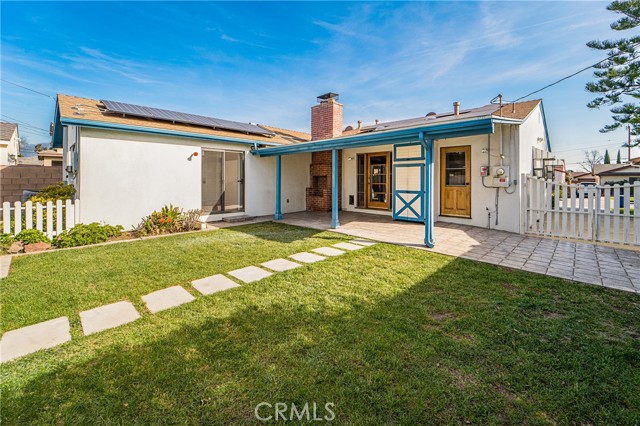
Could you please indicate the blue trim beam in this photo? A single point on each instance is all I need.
(335, 224)
(428, 187)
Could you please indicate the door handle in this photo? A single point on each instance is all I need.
(467, 183)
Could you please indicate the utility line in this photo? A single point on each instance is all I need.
(573, 75)
(24, 123)
(26, 88)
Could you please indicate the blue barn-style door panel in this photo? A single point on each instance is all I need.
(408, 182)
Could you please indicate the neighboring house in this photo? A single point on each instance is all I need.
(617, 173)
(51, 157)
(462, 166)
(579, 178)
(9, 143)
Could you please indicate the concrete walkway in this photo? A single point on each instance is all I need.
(578, 261)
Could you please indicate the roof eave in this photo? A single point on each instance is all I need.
(164, 132)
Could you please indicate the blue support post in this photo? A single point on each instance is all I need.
(278, 214)
(428, 190)
(334, 189)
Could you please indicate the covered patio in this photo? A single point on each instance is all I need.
(578, 261)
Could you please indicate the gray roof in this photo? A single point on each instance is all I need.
(6, 130)
(616, 169)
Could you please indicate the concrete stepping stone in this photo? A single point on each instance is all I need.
(250, 274)
(5, 264)
(280, 265)
(167, 298)
(348, 246)
(365, 243)
(26, 340)
(108, 316)
(328, 251)
(213, 284)
(306, 257)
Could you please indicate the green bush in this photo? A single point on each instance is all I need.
(5, 241)
(166, 221)
(59, 191)
(81, 235)
(32, 236)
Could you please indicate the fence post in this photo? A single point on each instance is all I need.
(17, 216)
(49, 219)
(39, 226)
(524, 203)
(28, 214)
(596, 216)
(6, 217)
(58, 217)
(69, 216)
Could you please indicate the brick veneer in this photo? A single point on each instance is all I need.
(319, 194)
(15, 179)
(326, 120)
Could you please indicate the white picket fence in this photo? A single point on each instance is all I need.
(51, 218)
(601, 213)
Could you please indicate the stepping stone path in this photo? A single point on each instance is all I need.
(348, 246)
(280, 265)
(167, 298)
(365, 243)
(305, 257)
(26, 340)
(328, 251)
(250, 274)
(213, 284)
(107, 316)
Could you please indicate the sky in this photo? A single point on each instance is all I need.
(266, 62)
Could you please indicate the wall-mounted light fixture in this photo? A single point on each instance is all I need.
(195, 154)
(349, 158)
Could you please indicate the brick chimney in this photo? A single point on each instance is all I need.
(326, 117)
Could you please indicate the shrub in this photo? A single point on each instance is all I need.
(191, 220)
(32, 236)
(81, 235)
(59, 191)
(5, 241)
(166, 221)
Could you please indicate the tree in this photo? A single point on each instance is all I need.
(618, 76)
(591, 158)
(607, 159)
(39, 147)
(619, 158)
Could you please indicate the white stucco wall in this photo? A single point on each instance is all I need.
(125, 176)
(9, 147)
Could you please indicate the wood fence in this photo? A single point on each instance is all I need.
(51, 218)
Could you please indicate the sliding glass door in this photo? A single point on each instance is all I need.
(222, 181)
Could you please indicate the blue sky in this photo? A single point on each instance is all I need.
(266, 62)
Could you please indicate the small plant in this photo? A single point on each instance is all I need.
(165, 221)
(5, 241)
(32, 236)
(59, 191)
(191, 220)
(81, 235)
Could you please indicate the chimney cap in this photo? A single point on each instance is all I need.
(327, 96)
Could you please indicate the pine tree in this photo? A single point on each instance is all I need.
(607, 159)
(619, 158)
(618, 78)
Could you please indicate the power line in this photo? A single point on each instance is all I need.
(572, 75)
(26, 88)
(24, 123)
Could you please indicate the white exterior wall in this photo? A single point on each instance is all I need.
(124, 176)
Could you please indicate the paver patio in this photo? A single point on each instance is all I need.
(108, 316)
(213, 284)
(250, 274)
(579, 261)
(26, 340)
(280, 265)
(167, 298)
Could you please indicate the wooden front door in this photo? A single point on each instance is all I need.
(455, 181)
(378, 181)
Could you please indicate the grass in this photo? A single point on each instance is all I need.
(390, 335)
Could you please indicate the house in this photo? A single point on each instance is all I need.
(462, 166)
(580, 178)
(9, 143)
(50, 157)
(609, 174)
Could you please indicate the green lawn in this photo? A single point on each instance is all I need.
(390, 335)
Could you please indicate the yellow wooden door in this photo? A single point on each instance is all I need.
(378, 181)
(455, 181)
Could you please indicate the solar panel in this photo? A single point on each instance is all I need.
(181, 117)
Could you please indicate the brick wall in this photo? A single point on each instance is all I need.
(15, 179)
(319, 194)
(326, 120)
